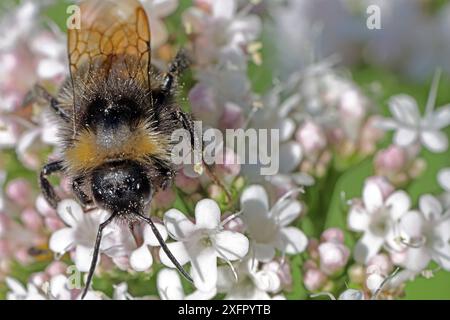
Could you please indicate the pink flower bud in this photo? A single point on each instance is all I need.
(236, 225)
(56, 268)
(43, 207)
(314, 279)
(383, 184)
(22, 256)
(310, 264)
(383, 263)
(19, 191)
(398, 258)
(311, 137)
(392, 159)
(332, 235)
(186, 184)
(352, 104)
(203, 103)
(283, 270)
(53, 223)
(333, 257)
(164, 198)
(232, 117)
(31, 219)
(228, 163)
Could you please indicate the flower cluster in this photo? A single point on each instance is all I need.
(299, 233)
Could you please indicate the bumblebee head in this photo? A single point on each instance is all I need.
(121, 187)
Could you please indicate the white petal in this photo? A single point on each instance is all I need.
(254, 198)
(70, 212)
(404, 109)
(430, 207)
(15, 286)
(411, 225)
(178, 250)
(141, 259)
(367, 247)
(442, 117)
(263, 252)
(207, 214)
(169, 285)
(288, 211)
(444, 179)
(291, 155)
(435, 141)
(405, 136)
(62, 240)
(417, 259)
(203, 267)
(178, 225)
(267, 281)
(374, 281)
(372, 197)
(399, 203)
(292, 240)
(149, 236)
(83, 258)
(231, 245)
(358, 219)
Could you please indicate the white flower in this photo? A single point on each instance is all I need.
(141, 258)
(18, 291)
(377, 218)
(202, 243)
(157, 10)
(269, 228)
(251, 283)
(427, 235)
(410, 127)
(169, 288)
(82, 232)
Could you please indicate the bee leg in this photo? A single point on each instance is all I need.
(180, 63)
(95, 255)
(77, 184)
(47, 189)
(164, 247)
(188, 125)
(41, 92)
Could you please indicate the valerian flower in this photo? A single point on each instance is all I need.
(169, 288)
(81, 232)
(252, 283)
(17, 291)
(202, 243)
(426, 233)
(141, 258)
(377, 217)
(410, 127)
(269, 227)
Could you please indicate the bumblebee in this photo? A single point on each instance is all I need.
(116, 115)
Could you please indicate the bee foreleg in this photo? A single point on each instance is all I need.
(95, 254)
(47, 189)
(188, 124)
(180, 63)
(77, 185)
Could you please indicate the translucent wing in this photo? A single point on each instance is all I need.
(113, 34)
